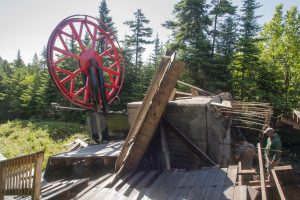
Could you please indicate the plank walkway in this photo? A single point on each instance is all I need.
(206, 183)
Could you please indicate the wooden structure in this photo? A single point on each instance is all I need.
(148, 117)
(248, 115)
(293, 120)
(107, 153)
(21, 175)
(206, 183)
(194, 120)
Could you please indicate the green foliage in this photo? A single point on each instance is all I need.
(140, 36)
(280, 50)
(246, 64)
(20, 137)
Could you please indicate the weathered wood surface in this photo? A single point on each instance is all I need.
(140, 135)
(140, 117)
(190, 144)
(111, 149)
(21, 175)
(206, 183)
(261, 173)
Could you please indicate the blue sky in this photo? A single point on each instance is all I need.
(27, 24)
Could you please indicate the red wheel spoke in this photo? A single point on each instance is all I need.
(59, 61)
(94, 38)
(67, 53)
(109, 71)
(66, 79)
(67, 34)
(63, 42)
(77, 37)
(72, 86)
(58, 69)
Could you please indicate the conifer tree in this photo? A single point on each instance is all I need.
(190, 31)
(141, 35)
(105, 18)
(18, 62)
(246, 63)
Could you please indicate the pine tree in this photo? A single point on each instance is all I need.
(221, 7)
(246, 64)
(105, 18)
(190, 31)
(140, 36)
(157, 51)
(18, 62)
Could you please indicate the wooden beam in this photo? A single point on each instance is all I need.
(282, 168)
(131, 156)
(190, 144)
(261, 173)
(278, 186)
(165, 148)
(140, 117)
(196, 88)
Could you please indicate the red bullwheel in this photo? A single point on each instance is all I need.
(74, 43)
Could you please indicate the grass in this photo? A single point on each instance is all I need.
(21, 137)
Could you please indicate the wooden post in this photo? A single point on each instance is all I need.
(2, 181)
(165, 148)
(37, 177)
(261, 173)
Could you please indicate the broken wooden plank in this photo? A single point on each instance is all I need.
(140, 117)
(278, 186)
(190, 144)
(261, 174)
(140, 142)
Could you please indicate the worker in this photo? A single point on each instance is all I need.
(245, 153)
(273, 148)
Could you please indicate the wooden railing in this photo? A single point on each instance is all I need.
(21, 175)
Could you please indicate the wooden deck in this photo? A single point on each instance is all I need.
(58, 165)
(111, 149)
(206, 183)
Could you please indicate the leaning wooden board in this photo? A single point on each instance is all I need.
(149, 115)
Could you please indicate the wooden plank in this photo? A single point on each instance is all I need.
(190, 144)
(240, 192)
(131, 183)
(140, 189)
(278, 186)
(66, 188)
(153, 188)
(140, 117)
(96, 192)
(283, 168)
(217, 189)
(261, 173)
(228, 189)
(199, 189)
(137, 149)
(96, 182)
